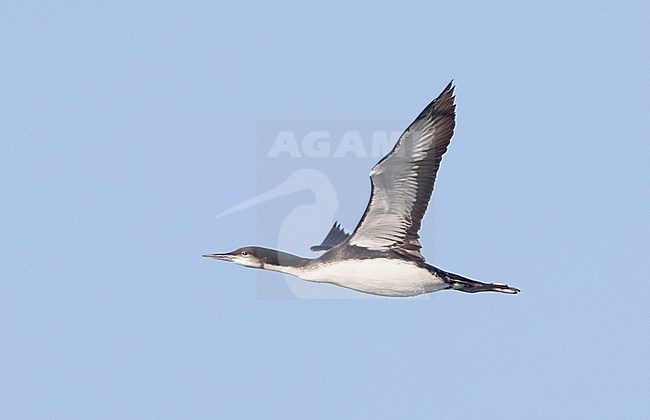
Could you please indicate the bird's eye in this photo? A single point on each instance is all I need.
(244, 253)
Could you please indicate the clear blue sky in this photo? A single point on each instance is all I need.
(126, 128)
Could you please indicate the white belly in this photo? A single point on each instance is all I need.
(383, 276)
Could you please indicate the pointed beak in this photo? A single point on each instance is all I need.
(226, 257)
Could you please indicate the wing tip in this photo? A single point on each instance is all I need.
(445, 103)
(335, 236)
(448, 92)
(451, 85)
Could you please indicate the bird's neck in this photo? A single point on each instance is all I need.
(286, 263)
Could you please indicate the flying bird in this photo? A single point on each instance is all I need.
(382, 255)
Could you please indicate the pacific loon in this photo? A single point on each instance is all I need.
(382, 255)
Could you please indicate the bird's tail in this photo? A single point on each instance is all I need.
(466, 285)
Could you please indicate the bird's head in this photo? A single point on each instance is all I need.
(249, 256)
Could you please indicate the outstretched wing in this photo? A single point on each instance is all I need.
(335, 236)
(402, 182)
